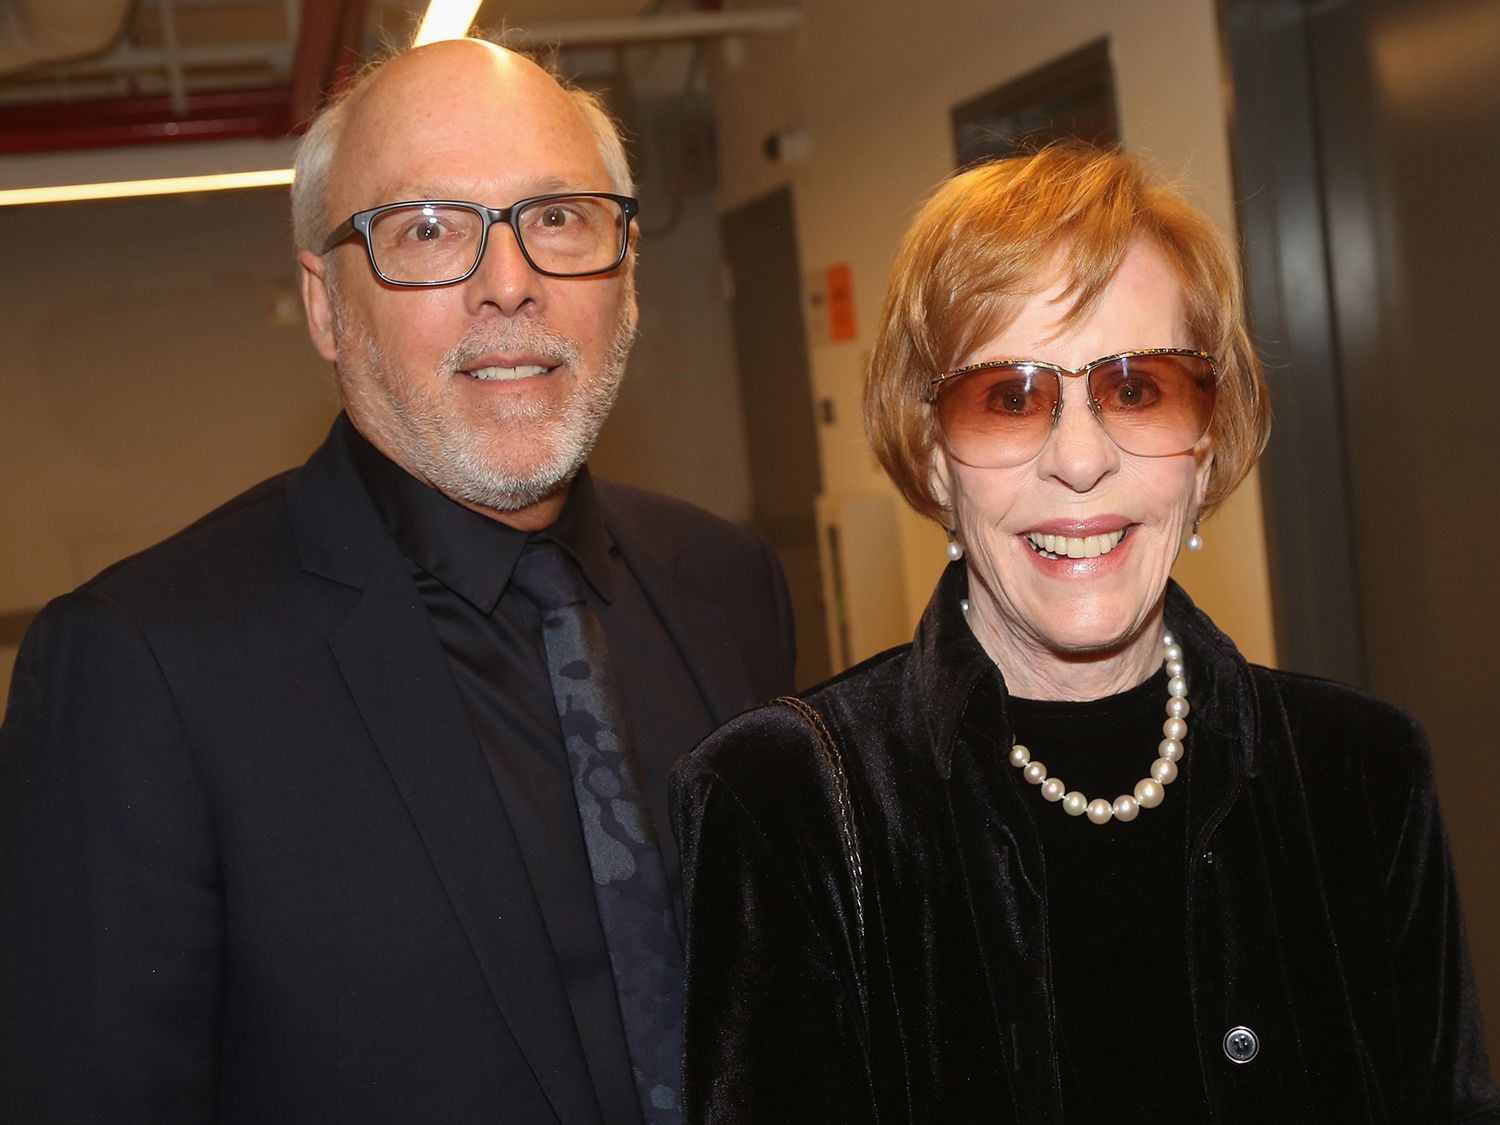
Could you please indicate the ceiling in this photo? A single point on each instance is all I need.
(83, 74)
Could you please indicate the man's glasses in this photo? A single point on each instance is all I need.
(1151, 403)
(441, 241)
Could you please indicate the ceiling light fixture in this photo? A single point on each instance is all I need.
(125, 189)
(446, 19)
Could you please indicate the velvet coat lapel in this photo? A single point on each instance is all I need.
(398, 676)
(1256, 895)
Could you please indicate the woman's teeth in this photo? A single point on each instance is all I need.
(525, 371)
(1074, 547)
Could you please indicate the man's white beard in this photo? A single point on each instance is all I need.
(522, 452)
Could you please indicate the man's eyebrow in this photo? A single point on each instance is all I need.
(403, 192)
(441, 189)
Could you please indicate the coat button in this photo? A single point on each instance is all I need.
(1241, 1044)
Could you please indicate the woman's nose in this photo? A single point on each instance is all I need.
(1078, 453)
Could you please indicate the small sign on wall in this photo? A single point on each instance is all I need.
(838, 289)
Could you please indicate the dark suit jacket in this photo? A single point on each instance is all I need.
(915, 984)
(253, 866)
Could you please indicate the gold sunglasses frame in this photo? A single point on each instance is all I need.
(1059, 369)
(1084, 371)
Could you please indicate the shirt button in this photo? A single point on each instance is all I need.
(1241, 1044)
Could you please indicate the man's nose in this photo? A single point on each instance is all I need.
(504, 279)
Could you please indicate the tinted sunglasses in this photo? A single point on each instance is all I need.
(1151, 403)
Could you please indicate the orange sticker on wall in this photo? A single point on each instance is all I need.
(839, 286)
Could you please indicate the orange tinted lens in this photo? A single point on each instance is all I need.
(999, 415)
(1155, 405)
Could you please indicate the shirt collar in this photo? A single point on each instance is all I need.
(580, 531)
(470, 553)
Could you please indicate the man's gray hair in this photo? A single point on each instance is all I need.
(314, 164)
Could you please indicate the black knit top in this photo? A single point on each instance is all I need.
(1117, 918)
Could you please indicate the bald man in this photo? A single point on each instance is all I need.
(296, 821)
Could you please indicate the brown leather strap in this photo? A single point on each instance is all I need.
(848, 834)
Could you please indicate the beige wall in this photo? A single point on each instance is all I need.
(154, 365)
(873, 82)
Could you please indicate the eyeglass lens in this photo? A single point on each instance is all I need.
(1149, 405)
(567, 235)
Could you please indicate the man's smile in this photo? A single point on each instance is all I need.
(499, 373)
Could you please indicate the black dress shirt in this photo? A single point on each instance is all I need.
(491, 633)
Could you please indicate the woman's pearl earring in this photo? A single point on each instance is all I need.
(955, 548)
(1195, 541)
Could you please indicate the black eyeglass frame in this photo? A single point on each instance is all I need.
(359, 223)
(935, 387)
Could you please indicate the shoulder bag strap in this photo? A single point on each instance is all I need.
(848, 834)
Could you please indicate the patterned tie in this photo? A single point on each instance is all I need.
(630, 885)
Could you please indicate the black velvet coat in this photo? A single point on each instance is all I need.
(1321, 906)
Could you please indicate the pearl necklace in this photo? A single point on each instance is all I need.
(1149, 791)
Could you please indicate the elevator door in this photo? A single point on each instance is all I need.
(1366, 165)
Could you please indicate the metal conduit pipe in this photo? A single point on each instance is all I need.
(663, 28)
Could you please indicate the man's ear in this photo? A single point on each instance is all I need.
(317, 302)
(635, 310)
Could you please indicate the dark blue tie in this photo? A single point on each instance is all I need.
(630, 884)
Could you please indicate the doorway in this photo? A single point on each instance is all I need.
(770, 345)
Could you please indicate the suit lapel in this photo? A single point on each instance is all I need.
(697, 627)
(399, 679)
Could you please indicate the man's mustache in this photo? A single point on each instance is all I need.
(530, 340)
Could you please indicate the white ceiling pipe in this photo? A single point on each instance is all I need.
(664, 28)
(272, 53)
(40, 31)
(175, 83)
(113, 85)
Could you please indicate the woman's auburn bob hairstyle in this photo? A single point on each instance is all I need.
(995, 236)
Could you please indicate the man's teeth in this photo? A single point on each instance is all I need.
(1074, 547)
(525, 371)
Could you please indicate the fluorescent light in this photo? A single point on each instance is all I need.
(446, 19)
(123, 189)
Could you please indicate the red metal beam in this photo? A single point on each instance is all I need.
(328, 43)
(112, 122)
(327, 53)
